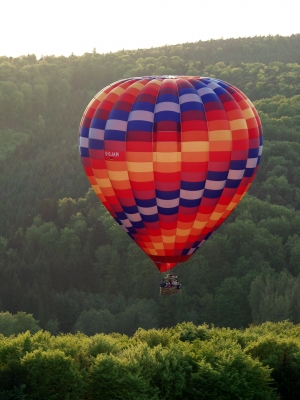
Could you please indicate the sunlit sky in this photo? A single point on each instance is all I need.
(62, 27)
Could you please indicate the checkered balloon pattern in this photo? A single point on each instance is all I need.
(170, 157)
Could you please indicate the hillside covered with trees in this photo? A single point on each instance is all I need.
(62, 257)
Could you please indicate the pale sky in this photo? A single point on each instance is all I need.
(60, 27)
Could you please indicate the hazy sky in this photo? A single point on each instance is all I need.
(60, 27)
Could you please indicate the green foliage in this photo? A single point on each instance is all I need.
(108, 344)
(186, 361)
(52, 375)
(283, 357)
(188, 332)
(93, 321)
(154, 337)
(275, 297)
(9, 140)
(225, 371)
(14, 324)
(232, 307)
(173, 371)
(12, 373)
(110, 376)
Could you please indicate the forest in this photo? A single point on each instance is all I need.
(64, 260)
(183, 362)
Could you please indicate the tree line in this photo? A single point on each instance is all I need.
(185, 361)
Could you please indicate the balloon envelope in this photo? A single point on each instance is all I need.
(170, 157)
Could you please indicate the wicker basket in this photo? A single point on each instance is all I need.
(169, 291)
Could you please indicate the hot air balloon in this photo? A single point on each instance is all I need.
(170, 157)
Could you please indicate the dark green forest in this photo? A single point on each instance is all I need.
(62, 257)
